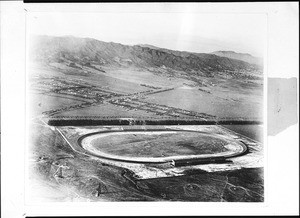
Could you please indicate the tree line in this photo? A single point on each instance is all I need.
(96, 122)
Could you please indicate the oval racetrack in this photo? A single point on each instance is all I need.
(160, 146)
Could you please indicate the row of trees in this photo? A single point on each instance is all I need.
(96, 122)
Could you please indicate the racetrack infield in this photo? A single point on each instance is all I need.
(160, 146)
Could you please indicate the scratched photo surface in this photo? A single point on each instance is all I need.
(145, 107)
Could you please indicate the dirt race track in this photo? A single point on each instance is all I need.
(142, 146)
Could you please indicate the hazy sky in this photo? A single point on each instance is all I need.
(179, 31)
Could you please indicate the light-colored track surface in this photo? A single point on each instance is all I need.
(234, 148)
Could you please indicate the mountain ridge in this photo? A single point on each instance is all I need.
(53, 48)
(240, 56)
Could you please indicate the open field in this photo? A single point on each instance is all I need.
(143, 76)
(108, 110)
(137, 92)
(157, 144)
(95, 79)
(40, 103)
(195, 100)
